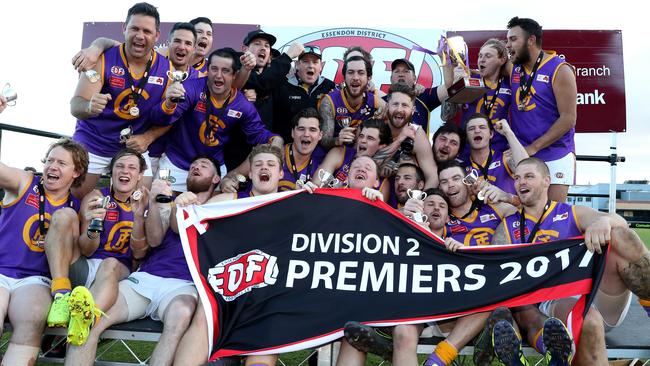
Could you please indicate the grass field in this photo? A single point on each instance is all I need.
(290, 359)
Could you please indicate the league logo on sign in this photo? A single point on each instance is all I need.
(241, 274)
(117, 70)
(385, 47)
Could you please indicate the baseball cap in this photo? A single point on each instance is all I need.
(311, 50)
(408, 64)
(258, 33)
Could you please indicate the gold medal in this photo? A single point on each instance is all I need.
(521, 106)
(137, 195)
(93, 76)
(134, 111)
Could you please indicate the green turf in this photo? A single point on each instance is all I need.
(645, 236)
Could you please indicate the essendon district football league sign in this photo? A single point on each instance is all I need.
(284, 272)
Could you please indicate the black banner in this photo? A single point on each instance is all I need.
(285, 272)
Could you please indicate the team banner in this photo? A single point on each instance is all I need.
(286, 271)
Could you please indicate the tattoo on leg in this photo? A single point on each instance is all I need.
(637, 276)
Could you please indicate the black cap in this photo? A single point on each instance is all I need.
(311, 50)
(258, 33)
(403, 61)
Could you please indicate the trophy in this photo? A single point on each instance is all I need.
(327, 179)
(10, 94)
(242, 183)
(165, 174)
(345, 122)
(467, 89)
(92, 75)
(470, 179)
(177, 76)
(125, 134)
(418, 195)
(96, 224)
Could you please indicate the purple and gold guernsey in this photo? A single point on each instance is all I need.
(343, 168)
(101, 134)
(21, 255)
(202, 68)
(167, 260)
(115, 240)
(496, 171)
(303, 172)
(476, 229)
(193, 135)
(540, 111)
(558, 222)
(501, 95)
(343, 113)
(248, 192)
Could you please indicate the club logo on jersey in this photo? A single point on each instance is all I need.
(116, 82)
(515, 224)
(111, 205)
(543, 78)
(487, 217)
(201, 107)
(384, 48)
(241, 274)
(157, 80)
(116, 70)
(494, 165)
(341, 110)
(112, 216)
(559, 175)
(32, 200)
(517, 233)
(202, 96)
(234, 114)
(561, 217)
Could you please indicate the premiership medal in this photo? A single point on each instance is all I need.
(134, 111)
(40, 242)
(521, 106)
(92, 75)
(137, 195)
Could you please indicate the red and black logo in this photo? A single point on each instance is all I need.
(241, 274)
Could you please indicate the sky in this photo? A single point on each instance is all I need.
(37, 48)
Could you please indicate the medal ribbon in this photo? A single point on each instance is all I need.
(522, 224)
(525, 83)
(136, 94)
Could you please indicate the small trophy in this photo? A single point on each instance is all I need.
(93, 76)
(416, 194)
(10, 94)
(467, 89)
(345, 122)
(242, 183)
(327, 179)
(165, 174)
(125, 134)
(96, 224)
(177, 76)
(470, 179)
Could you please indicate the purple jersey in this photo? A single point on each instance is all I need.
(499, 110)
(160, 144)
(192, 135)
(167, 260)
(495, 171)
(101, 134)
(559, 222)
(202, 68)
(540, 111)
(115, 240)
(21, 255)
(248, 192)
(343, 167)
(304, 172)
(343, 113)
(476, 229)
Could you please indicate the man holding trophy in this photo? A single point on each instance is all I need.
(132, 79)
(543, 103)
(212, 109)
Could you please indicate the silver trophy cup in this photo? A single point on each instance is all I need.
(416, 194)
(10, 94)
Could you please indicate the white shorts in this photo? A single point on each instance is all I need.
(12, 284)
(613, 309)
(99, 164)
(179, 174)
(563, 170)
(84, 279)
(433, 330)
(149, 295)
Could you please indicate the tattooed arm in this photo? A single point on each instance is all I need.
(326, 111)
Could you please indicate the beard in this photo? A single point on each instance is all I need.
(522, 57)
(198, 184)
